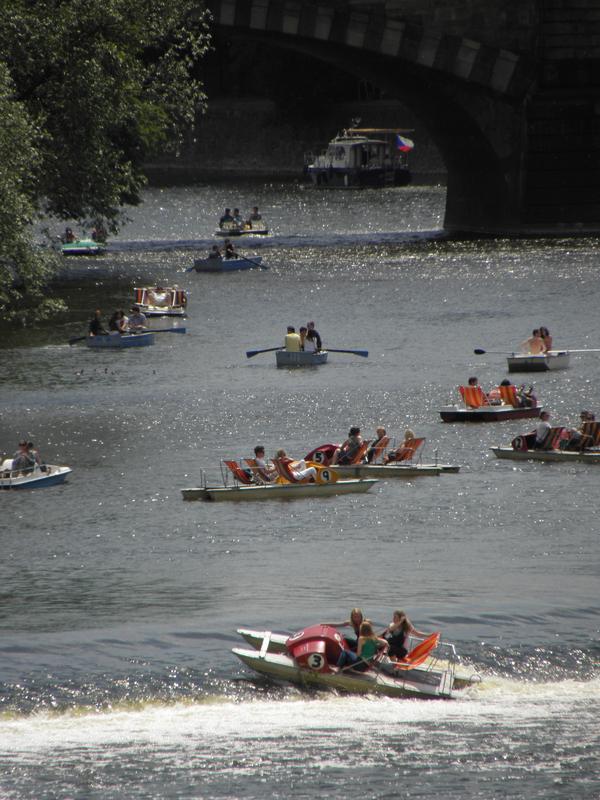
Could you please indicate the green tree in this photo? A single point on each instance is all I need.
(97, 90)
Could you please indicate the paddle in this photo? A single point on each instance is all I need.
(479, 352)
(249, 260)
(252, 353)
(363, 353)
(76, 339)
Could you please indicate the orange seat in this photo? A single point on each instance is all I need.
(552, 439)
(474, 396)
(406, 451)
(259, 472)
(285, 471)
(509, 396)
(379, 449)
(420, 653)
(239, 474)
(592, 431)
(360, 453)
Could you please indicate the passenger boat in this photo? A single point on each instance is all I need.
(226, 264)
(285, 358)
(404, 467)
(159, 301)
(117, 341)
(41, 475)
(82, 247)
(478, 408)
(360, 157)
(527, 362)
(250, 228)
(309, 659)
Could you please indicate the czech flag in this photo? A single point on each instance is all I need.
(403, 144)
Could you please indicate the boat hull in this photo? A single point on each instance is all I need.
(301, 359)
(487, 413)
(226, 264)
(565, 456)
(84, 247)
(388, 470)
(36, 479)
(281, 491)
(119, 342)
(538, 363)
(242, 232)
(155, 311)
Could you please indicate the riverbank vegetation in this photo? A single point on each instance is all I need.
(87, 94)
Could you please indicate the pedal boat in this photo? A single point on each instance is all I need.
(279, 491)
(308, 658)
(285, 358)
(527, 362)
(490, 413)
(50, 475)
(258, 228)
(565, 456)
(170, 302)
(226, 264)
(119, 341)
(82, 247)
(323, 454)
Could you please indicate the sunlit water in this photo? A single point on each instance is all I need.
(119, 602)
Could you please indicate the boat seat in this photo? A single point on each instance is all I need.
(509, 396)
(552, 439)
(420, 653)
(379, 449)
(592, 431)
(360, 454)
(406, 452)
(260, 475)
(239, 474)
(473, 396)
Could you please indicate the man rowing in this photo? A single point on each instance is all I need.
(534, 345)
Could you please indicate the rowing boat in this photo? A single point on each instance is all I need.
(82, 247)
(528, 362)
(565, 456)
(488, 413)
(303, 358)
(154, 301)
(39, 476)
(226, 264)
(279, 491)
(310, 658)
(118, 341)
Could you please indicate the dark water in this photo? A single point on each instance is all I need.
(119, 602)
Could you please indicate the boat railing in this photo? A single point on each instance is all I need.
(29, 472)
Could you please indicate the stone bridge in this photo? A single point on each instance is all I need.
(509, 90)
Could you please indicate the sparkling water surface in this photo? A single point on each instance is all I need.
(119, 602)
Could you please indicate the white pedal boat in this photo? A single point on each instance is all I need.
(565, 456)
(308, 658)
(279, 491)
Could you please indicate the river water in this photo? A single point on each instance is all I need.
(119, 603)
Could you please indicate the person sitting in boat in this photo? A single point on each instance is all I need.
(380, 433)
(311, 327)
(310, 342)
(545, 334)
(225, 218)
(95, 327)
(159, 296)
(527, 398)
(25, 459)
(69, 237)
(356, 620)
(267, 471)
(229, 250)
(577, 439)
(254, 217)
(397, 633)
(303, 332)
(99, 232)
(409, 437)
(215, 252)
(367, 648)
(137, 320)
(534, 345)
(537, 438)
(348, 450)
(292, 341)
(300, 469)
(237, 217)
(117, 323)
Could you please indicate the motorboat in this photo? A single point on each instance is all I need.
(226, 264)
(118, 341)
(159, 301)
(302, 358)
(41, 475)
(360, 157)
(82, 247)
(249, 228)
(540, 362)
(309, 658)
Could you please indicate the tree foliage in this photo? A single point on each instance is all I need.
(89, 92)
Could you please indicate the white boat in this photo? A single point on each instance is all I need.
(310, 659)
(527, 362)
(303, 358)
(279, 491)
(249, 228)
(39, 476)
(158, 301)
(390, 470)
(227, 264)
(361, 157)
(565, 456)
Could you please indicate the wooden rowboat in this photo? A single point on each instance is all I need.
(118, 341)
(226, 264)
(526, 362)
(286, 491)
(565, 456)
(285, 358)
(40, 476)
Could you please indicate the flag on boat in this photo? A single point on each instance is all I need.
(403, 144)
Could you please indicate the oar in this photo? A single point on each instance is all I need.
(76, 339)
(479, 352)
(252, 353)
(363, 353)
(249, 260)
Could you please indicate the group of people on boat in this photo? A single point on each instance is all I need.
(307, 339)
(119, 323)
(361, 649)
(570, 439)
(235, 220)
(26, 459)
(525, 396)
(227, 251)
(538, 343)
(98, 235)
